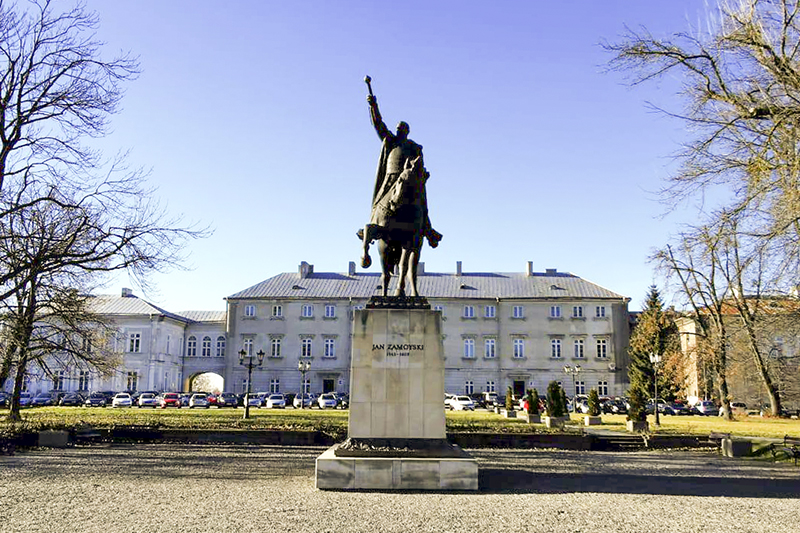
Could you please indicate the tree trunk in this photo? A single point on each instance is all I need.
(763, 371)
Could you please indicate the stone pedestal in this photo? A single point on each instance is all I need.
(396, 430)
(592, 420)
(736, 448)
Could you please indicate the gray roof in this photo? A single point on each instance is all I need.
(130, 305)
(205, 316)
(431, 285)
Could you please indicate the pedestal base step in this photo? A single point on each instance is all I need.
(395, 473)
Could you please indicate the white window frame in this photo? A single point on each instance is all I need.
(490, 348)
(602, 388)
(134, 343)
(555, 311)
(247, 345)
(84, 380)
(580, 387)
(307, 386)
(205, 350)
(579, 352)
(132, 381)
(250, 311)
(221, 346)
(577, 311)
(469, 387)
(469, 311)
(490, 386)
(330, 347)
(330, 311)
(600, 311)
(275, 347)
(307, 311)
(555, 348)
(277, 311)
(518, 311)
(469, 348)
(191, 346)
(602, 348)
(306, 346)
(274, 386)
(519, 348)
(490, 311)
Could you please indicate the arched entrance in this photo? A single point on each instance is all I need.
(204, 382)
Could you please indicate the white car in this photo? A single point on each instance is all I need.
(255, 399)
(461, 403)
(275, 401)
(198, 400)
(123, 399)
(147, 399)
(327, 401)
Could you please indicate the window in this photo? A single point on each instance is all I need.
(248, 347)
(330, 311)
(469, 311)
(519, 348)
(555, 348)
(469, 387)
(577, 311)
(469, 348)
(600, 311)
(489, 311)
(206, 349)
(58, 380)
(132, 381)
(277, 311)
(134, 342)
(169, 341)
(274, 386)
(580, 387)
(250, 311)
(306, 386)
(518, 312)
(220, 346)
(244, 385)
(555, 311)
(275, 347)
(579, 348)
(602, 348)
(26, 384)
(490, 386)
(305, 347)
(191, 346)
(602, 388)
(489, 348)
(307, 311)
(330, 348)
(87, 344)
(84, 381)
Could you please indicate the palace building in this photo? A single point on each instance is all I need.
(499, 330)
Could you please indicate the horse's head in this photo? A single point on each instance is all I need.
(404, 190)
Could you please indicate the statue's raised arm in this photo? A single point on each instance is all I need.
(374, 113)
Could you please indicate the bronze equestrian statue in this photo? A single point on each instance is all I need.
(399, 220)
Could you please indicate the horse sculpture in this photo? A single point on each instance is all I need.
(399, 227)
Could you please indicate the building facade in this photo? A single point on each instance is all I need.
(500, 330)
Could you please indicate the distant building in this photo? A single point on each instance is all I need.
(499, 330)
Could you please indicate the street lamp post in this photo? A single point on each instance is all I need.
(303, 367)
(250, 364)
(574, 371)
(655, 359)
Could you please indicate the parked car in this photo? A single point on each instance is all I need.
(147, 399)
(109, 394)
(490, 399)
(43, 399)
(675, 408)
(461, 403)
(275, 401)
(343, 400)
(706, 408)
(25, 399)
(123, 399)
(5, 399)
(212, 398)
(256, 399)
(199, 399)
(96, 399)
(308, 400)
(169, 399)
(327, 401)
(71, 399)
(737, 408)
(185, 397)
(227, 399)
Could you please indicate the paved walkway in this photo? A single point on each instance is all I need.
(186, 488)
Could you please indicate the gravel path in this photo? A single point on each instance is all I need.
(233, 489)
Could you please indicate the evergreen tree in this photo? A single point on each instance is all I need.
(594, 403)
(655, 332)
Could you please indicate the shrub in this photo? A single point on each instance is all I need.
(564, 402)
(509, 400)
(555, 407)
(594, 403)
(533, 402)
(636, 411)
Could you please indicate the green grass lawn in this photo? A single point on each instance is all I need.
(335, 421)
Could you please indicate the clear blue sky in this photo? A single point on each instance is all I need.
(253, 118)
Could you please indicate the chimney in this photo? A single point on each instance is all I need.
(351, 268)
(530, 268)
(127, 293)
(305, 270)
(421, 268)
(458, 268)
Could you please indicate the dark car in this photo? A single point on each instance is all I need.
(343, 400)
(614, 406)
(675, 408)
(227, 399)
(43, 399)
(109, 394)
(71, 399)
(96, 399)
(5, 399)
